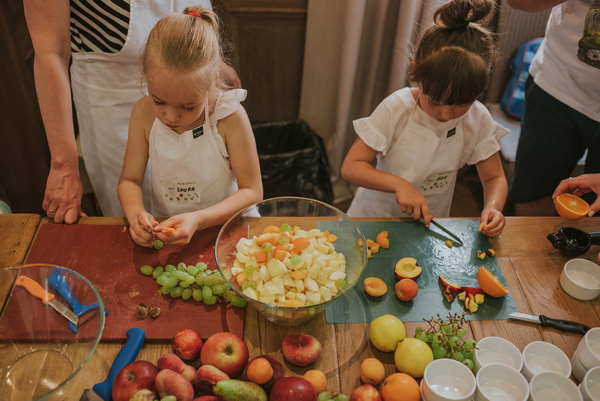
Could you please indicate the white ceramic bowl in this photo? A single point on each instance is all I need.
(541, 356)
(590, 386)
(447, 380)
(548, 386)
(500, 382)
(579, 370)
(588, 349)
(580, 279)
(496, 350)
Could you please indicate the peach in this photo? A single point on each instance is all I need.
(169, 382)
(176, 364)
(383, 240)
(406, 289)
(374, 286)
(407, 268)
(206, 377)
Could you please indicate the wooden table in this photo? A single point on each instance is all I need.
(529, 263)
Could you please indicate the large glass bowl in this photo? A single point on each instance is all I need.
(41, 353)
(306, 214)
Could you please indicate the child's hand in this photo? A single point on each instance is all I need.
(412, 202)
(494, 222)
(177, 230)
(141, 228)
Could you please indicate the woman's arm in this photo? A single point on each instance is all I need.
(358, 170)
(48, 23)
(495, 190)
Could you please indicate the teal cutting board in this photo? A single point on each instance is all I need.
(458, 264)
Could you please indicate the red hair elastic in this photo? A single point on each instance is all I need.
(194, 13)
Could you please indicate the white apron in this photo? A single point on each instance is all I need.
(105, 88)
(429, 162)
(191, 171)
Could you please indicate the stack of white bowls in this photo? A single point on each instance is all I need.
(587, 354)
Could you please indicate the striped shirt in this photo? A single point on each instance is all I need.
(99, 25)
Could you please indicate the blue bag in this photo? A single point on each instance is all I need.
(513, 98)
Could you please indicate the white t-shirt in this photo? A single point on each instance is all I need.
(422, 150)
(556, 68)
(191, 171)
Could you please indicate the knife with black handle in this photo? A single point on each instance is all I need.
(559, 324)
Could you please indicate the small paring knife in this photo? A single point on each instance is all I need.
(445, 230)
(545, 321)
(103, 391)
(35, 289)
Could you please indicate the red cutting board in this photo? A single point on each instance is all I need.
(107, 256)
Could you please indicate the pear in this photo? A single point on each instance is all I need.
(238, 390)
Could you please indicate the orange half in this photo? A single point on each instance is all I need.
(490, 284)
(571, 207)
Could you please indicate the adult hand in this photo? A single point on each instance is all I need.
(494, 222)
(230, 76)
(580, 185)
(62, 199)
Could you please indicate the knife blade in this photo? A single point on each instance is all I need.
(127, 354)
(35, 289)
(445, 230)
(545, 321)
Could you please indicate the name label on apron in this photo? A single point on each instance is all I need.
(180, 191)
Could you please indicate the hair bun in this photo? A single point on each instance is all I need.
(458, 14)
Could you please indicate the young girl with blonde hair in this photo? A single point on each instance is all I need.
(197, 136)
(421, 136)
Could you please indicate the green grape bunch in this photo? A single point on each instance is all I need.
(447, 338)
(197, 282)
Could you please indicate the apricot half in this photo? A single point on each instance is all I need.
(374, 286)
(407, 268)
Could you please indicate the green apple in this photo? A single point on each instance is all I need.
(412, 356)
(386, 332)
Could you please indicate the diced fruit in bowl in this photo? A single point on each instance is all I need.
(292, 268)
(374, 286)
(407, 267)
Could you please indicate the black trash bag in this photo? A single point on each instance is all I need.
(293, 161)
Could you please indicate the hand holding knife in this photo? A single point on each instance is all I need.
(446, 231)
(545, 321)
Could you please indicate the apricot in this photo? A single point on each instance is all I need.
(260, 371)
(383, 240)
(372, 371)
(317, 378)
(406, 289)
(374, 286)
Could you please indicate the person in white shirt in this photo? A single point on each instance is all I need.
(421, 136)
(198, 138)
(562, 104)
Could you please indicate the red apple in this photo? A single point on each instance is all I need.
(206, 377)
(227, 352)
(187, 344)
(301, 349)
(278, 372)
(450, 289)
(137, 375)
(293, 388)
(366, 392)
(407, 268)
(481, 255)
(169, 382)
(490, 253)
(173, 362)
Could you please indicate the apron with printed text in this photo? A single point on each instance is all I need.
(105, 88)
(429, 162)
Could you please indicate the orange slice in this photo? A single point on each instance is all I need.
(571, 207)
(490, 284)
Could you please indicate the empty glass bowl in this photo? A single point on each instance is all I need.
(41, 351)
(294, 211)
